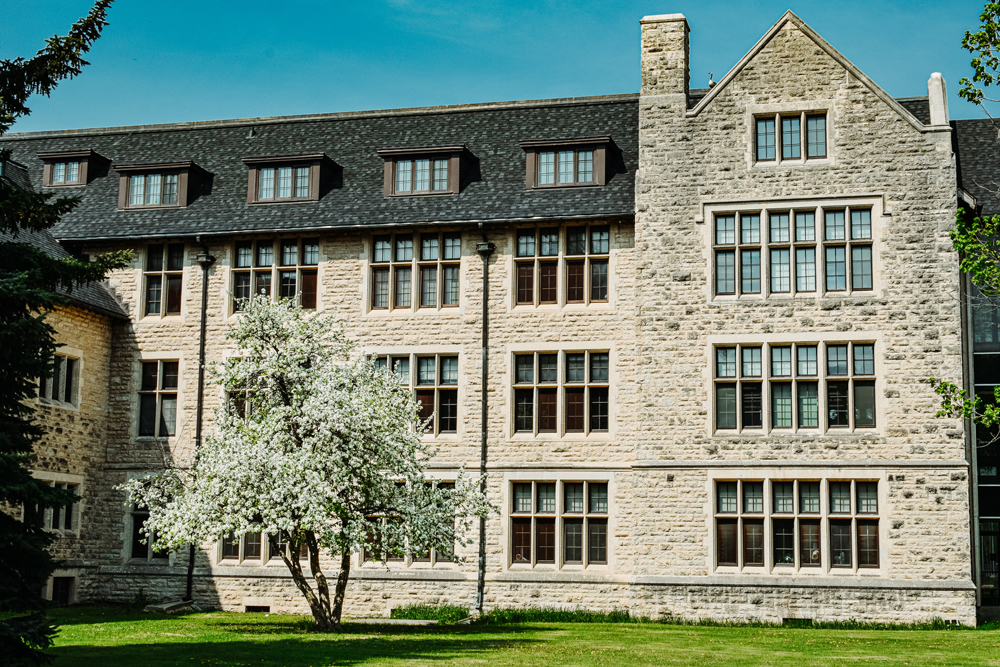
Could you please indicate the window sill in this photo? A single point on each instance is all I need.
(795, 162)
(56, 404)
(761, 433)
(784, 296)
(423, 311)
(265, 202)
(563, 186)
(152, 208)
(596, 436)
(399, 195)
(57, 186)
(575, 307)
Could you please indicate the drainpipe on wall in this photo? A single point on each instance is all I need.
(485, 249)
(205, 260)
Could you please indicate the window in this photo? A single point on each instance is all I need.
(566, 163)
(65, 173)
(292, 178)
(159, 185)
(423, 171)
(59, 519)
(152, 190)
(248, 547)
(802, 136)
(561, 266)
(69, 168)
(163, 277)
(411, 271)
(805, 386)
(434, 381)
(559, 523)
(407, 555)
(286, 269)
(798, 251)
(141, 546)
(158, 398)
(561, 392)
(795, 531)
(63, 385)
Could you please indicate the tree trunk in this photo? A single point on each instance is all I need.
(319, 606)
(341, 590)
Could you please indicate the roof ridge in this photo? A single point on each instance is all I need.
(338, 115)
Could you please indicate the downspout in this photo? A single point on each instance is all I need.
(205, 260)
(485, 249)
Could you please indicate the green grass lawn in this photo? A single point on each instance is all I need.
(99, 636)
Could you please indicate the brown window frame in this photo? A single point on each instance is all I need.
(320, 167)
(189, 179)
(532, 270)
(432, 558)
(561, 389)
(87, 163)
(158, 393)
(303, 270)
(441, 267)
(533, 149)
(167, 275)
(558, 518)
(438, 388)
(456, 157)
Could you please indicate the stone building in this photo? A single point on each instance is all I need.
(712, 313)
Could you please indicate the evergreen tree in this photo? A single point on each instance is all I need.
(31, 284)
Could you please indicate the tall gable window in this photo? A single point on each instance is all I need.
(424, 171)
(62, 168)
(289, 178)
(791, 137)
(566, 162)
(165, 185)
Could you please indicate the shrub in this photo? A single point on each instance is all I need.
(507, 616)
(443, 614)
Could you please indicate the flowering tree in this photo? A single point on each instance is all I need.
(318, 449)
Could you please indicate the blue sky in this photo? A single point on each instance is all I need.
(183, 60)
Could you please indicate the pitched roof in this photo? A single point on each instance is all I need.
(490, 132)
(790, 17)
(977, 149)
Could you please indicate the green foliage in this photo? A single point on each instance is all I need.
(985, 62)
(443, 614)
(513, 615)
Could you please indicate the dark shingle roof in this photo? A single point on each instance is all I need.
(920, 107)
(491, 132)
(977, 148)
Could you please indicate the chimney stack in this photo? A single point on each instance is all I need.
(937, 97)
(664, 55)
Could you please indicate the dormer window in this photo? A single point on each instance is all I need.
(566, 162)
(165, 185)
(65, 168)
(288, 178)
(423, 171)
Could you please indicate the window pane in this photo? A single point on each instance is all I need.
(302, 181)
(266, 190)
(574, 411)
(526, 244)
(597, 540)
(576, 241)
(805, 226)
(864, 359)
(550, 242)
(861, 267)
(547, 282)
(265, 254)
(546, 536)
(752, 405)
(521, 534)
(837, 403)
(524, 367)
(383, 249)
(598, 498)
(790, 141)
(727, 542)
(429, 247)
(816, 136)
(750, 271)
(780, 271)
(251, 546)
(599, 409)
(139, 549)
(836, 268)
(309, 280)
(452, 246)
(284, 188)
(840, 544)
(864, 404)
(169, 197)
(784, 542)
(867, 497)
(867, 544)
(449, 370)
(840, 497)
(726, 492)
(154, 257)
(575, 367)
(574, 282)
(287, 284)
(175, 257)
(401, 367)
(861, 223)
(781, 404)
(725, 362)
(725, 272)
(835, 226)
(753, 542)
(807, 359)
(72, 172)
(725, 229)
(784, 500)
(765, 138)
(547, 410)
(241, 288)
(524, 416)
(750, 228)
(59, 172)
(426, 401)
(809, 553)
(289, 253)
(525, 283)
(169, 378)
(136, 188)
(725, 406)
(805, 269)
(428, 286)
(404, 248)
(781, 361)
(573, 532)
(546, 497)
(403, 287)
(808, 405)
(548, 368)
(380, 291)
(440, 175)
(546, 168)
(599, 241)
(573, 497)
(404, 173)
(154, 292)
(447, 411)
(425, 371)
(565, 166)
(751, 361)
(753, 497)
(585, 167)
(836, 359)
(809, 497)
(173, 295)
(599, 280)
(147, 414)
(779, 227)
(599, 367)
(244, 255)
(153, 188)
(168, 414)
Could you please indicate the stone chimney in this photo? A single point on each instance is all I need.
(665, 55)
(937, 97)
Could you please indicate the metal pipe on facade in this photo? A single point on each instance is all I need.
(205, 260)
(485, 249)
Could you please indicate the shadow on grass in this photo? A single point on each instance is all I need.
(312, 650)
